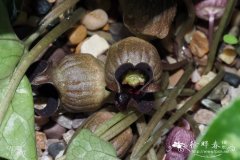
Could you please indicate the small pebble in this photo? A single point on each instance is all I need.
(119, 31)
(78, 48)
(41, 140)
(51, 141)
(51, 1)
(106, 27)
(232, 79)
(106, 35)
(237, 64)
(68, 135)
(171, 60)
(226, 100)
(203, 116)
(195, 76)
(60, 154)
(230, 70)
(174, 78)
(77, 122)
(64, 121)
(199, 45)
(211, 105)
(54, 131)
(42, 7)
(46, 158)
(205, 79)
(202, 128)
(55, 148)
(234, 92)
(94, 45)
(219, 92)
(228, 55)
(95, 19)
(77, 35)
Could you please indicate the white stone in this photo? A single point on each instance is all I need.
(95, 45)
(234, 92)
(195, 76)
(205, 79)
(95, 20)
(171, 60)
(68, 135)
(228, 55)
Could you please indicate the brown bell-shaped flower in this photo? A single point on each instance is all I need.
(133, 69)
(79, 80)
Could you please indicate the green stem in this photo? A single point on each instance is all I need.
(163, 109)
(121, 126)
(108, 124)
(141, 126)
(152, 154)
(185, 92)
(218, 35)
(164, 81)
(178, 114)
(32, 55)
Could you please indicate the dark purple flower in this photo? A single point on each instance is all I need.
(179, 142)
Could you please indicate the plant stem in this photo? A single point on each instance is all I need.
(27, 60)
(121, 126)
(185, 92)
(198, 96)
(217, 36)
(141, 126)
(163, 109)
(108, 124)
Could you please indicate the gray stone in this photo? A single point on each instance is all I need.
(64, 121)
(203, 116)
(54, 131)
(77, 122)
(219, 92)
(68, 135)
(211, 104)
(55, 148)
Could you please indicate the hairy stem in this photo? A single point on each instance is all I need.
(35, 52)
